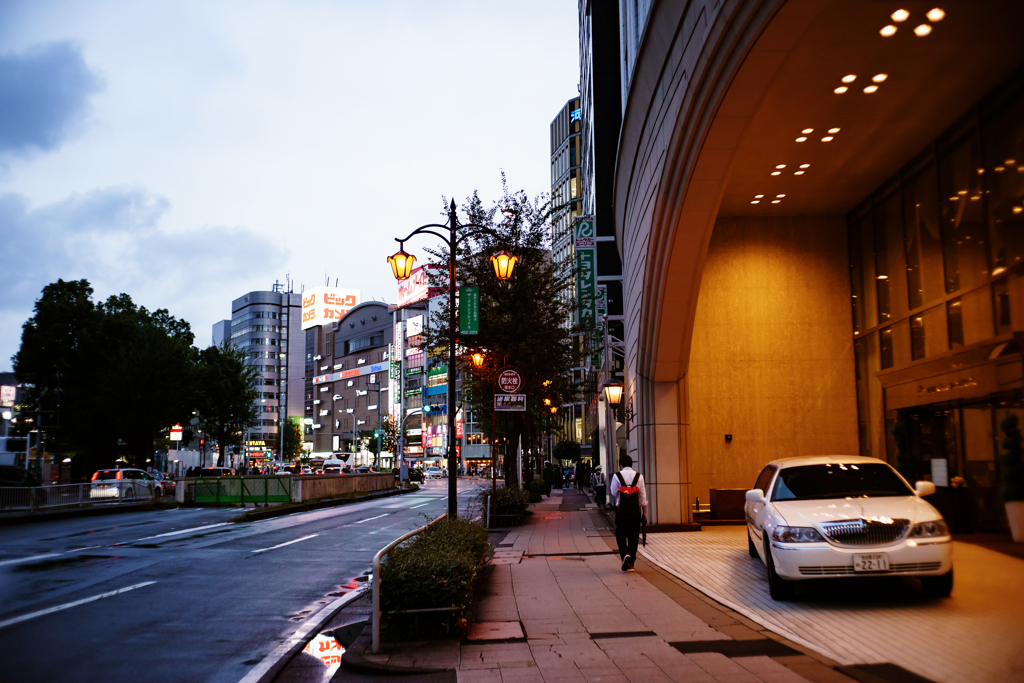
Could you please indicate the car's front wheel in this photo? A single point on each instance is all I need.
(778, 587)
(938, 586)
(751, 548)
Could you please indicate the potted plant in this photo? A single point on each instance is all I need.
(1012, 475)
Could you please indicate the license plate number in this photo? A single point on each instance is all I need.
(875, 562)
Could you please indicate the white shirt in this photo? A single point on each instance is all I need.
(627, 473)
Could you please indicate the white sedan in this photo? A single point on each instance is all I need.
(814, 517)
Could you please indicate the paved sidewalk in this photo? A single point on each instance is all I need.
(975, 635)
(559, 608)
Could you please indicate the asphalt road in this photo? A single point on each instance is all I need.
(195, 596)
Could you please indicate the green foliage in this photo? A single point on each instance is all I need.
(438, 568)
(1012, 460)
(536, 488)
(903, 461)
(227, 394)
(567, 450)
(513, 502)
(292, 442)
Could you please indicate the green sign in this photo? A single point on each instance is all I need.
(469, 310)
(586, 273)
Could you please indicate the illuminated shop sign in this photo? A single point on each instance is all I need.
(325, 304)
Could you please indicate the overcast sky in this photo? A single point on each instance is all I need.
(188, 152)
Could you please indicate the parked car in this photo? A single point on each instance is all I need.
(17, 476)
(433, 473)
(124, 484)
(167, 484)
(217, 472)
(815, 517)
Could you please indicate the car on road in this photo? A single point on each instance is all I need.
(331, 467)
(167, 484)
(217, 472)
(124, 484)
(415, 474)
(433, 473)
(17, 476)
(815, 517)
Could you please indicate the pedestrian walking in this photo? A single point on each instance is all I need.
(549, 478)
(629, 495)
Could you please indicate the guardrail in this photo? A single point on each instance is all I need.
(263, 489)
(386, 550)
(13, 498)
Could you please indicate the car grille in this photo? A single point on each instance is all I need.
(847, 570)
(866, 531)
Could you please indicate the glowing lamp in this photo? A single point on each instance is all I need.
(554, 409)
(547, 401)
(613, 392)
(504, 263)
(401, 264)
(477, 359)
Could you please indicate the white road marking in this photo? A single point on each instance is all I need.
(178, 533)
(281, 545)
(76, 603)
(418, 506)
(370, 519)
(30, 559)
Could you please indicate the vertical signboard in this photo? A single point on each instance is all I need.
(469, 310)
(396, 366)
(586, 273)
(597, 341)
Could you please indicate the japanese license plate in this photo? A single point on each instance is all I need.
(875, 562)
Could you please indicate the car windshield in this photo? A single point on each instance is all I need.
(106, 474)
(814, 482)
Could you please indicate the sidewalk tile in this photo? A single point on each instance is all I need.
(494, 630)
(478, 676)
(722, 668)
(768, 670)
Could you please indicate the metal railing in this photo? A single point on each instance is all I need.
(14, 498)
(385, 551)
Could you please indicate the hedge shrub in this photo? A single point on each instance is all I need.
(437, 568)
(536, 489)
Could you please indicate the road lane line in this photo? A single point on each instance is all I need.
(370, 519)
(30, 559)
(281, 545)
(179, 533)
(76, 603)
(418, 506)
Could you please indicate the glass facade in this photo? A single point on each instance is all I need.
(935, 260)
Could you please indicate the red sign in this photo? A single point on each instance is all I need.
(509, 381)
(175, 432)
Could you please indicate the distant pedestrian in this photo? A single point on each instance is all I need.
(549, 478)
(629, 495)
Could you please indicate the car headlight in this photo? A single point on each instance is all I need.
(796, 534)
(937, 527)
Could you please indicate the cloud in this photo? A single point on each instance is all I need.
(113, 238)
(44, 94)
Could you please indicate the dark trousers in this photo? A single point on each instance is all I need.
(627, 535)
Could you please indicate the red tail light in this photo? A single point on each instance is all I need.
(95, 474)
(119, 473)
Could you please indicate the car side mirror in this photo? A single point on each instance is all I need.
(754, 496)
(924, 488)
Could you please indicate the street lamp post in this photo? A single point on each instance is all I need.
(401, 265)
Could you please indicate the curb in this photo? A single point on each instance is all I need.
(268, 669)
(352, 660)
(268, 513)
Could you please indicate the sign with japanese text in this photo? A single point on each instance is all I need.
(176, 433)
(586, 274)
(417, 286)
(515, 403)
(469, 310)
(322, 305)
(509, 380)
(7, 396)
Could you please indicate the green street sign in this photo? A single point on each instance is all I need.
(469, 310)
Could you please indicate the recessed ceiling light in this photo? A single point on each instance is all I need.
(935, 14)
(781, 166)
(840, 90)
(953, 199)
(758, 196)
(870, 89)
(878, 78)
(962, 192)
(1017, 209)
(776, 172)
(755, 201)
(798, 172)
(805, 165)
(849, 78)
(900, 15)
(801, 139)
(807, 131)
(780, 196)
(884, 277)
(833, 131)
(827, 138)
(922, 30)
(1010, 162)
(776, 201)
(888, 30)
(999, 169)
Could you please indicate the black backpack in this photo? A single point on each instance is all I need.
(629, 499)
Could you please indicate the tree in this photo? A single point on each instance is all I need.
(227, 394)
(522, 322)
(292, 441)
(567, 450)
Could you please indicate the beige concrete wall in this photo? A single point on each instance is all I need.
(314, 487)
(772, 350)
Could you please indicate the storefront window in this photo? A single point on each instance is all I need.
(1003, 138)
(862, 259)
(885, 347)
(917, 337)
(1001, 303)
(964, 242)
(890, 264)
(955, 323)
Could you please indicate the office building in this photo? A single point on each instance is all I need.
(818, 209)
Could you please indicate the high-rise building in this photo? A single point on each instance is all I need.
(566, 188)
(264, 324)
